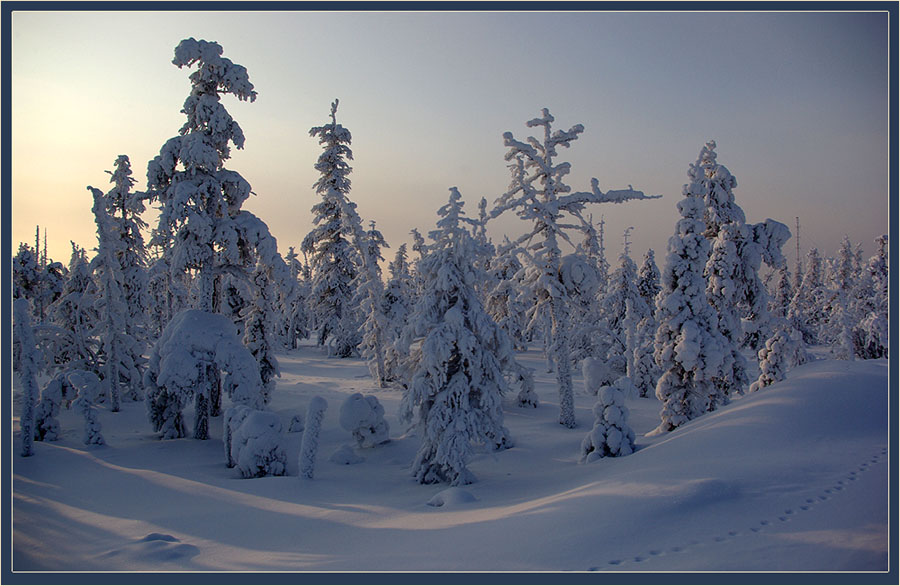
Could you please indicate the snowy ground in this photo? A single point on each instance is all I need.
(793, 478)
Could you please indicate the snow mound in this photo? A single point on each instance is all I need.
(156, 548)
(451, 497)
(346, 456)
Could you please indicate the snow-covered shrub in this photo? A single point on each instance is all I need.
(28, 367)
(193, 347)
(46, 426)
(596, 374)
(773, 361)
(296, 425)
(88, 387)
(256, 445)
(611, 435)
(309, 445)
(363, 417)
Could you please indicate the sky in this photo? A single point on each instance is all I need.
(796, 101)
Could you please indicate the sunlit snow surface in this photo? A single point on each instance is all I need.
(794, 477)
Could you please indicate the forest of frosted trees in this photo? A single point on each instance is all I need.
(192, 312)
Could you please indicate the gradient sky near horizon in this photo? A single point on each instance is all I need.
(797, 102)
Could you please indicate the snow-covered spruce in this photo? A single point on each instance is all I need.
(399, 298)
(689, 349)
(539, 195)
(363, 417)
(28, 369)
(611, 435)
(369, 298)
(309, 444)
(773, 360)
(333, 259)
(806, 310)
(457, 355)
(256, 444)
(841, 319)
(46, 424)
(259, 326)
(195, 346)
(871, 306)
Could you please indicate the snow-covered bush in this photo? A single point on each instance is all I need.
(611, 435)
(88, 387)
(256, 444)
(195, 346)
(46, 425)
(773, 360)
(363, 417)
(596, 374)
(234, 416)
(309, 444)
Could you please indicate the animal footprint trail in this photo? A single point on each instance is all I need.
(808, 504)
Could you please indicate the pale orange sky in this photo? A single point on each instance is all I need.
(796, 101)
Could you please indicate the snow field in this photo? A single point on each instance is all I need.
(793, 477)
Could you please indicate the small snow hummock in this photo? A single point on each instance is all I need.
(346, 456)
(451, 496)
(611, 435)
(256, 444)
(309, 445)
(296, 425)
(363, 416)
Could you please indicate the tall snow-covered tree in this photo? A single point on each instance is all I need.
(539, 195)
(124, 206)
(28, 370)
(690, 350)
(457, 355)
(119, 349)
(333, 258)
(841, 319)
(201, 199)
(622, 291)
(503, 303)
(648, 279)
(369, 300)
(292, 297)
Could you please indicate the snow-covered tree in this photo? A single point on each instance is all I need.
(648, 279)
(333, 258)
(840, 318)
(871, 306)
(28, 370)
(259, 328)
(773, 360)
(193, 349)
(369, 300)
(621, 292)
(124, 207)
(503, 303)
(85, 388)
(690, 350)
(399, 298)
(122, 352)
(70, 338)
(782, 293)
(309, 444)
(457, 355)
(539, 195)
(293, 294)
(611, 434)
(199, 225)
(806, 310)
